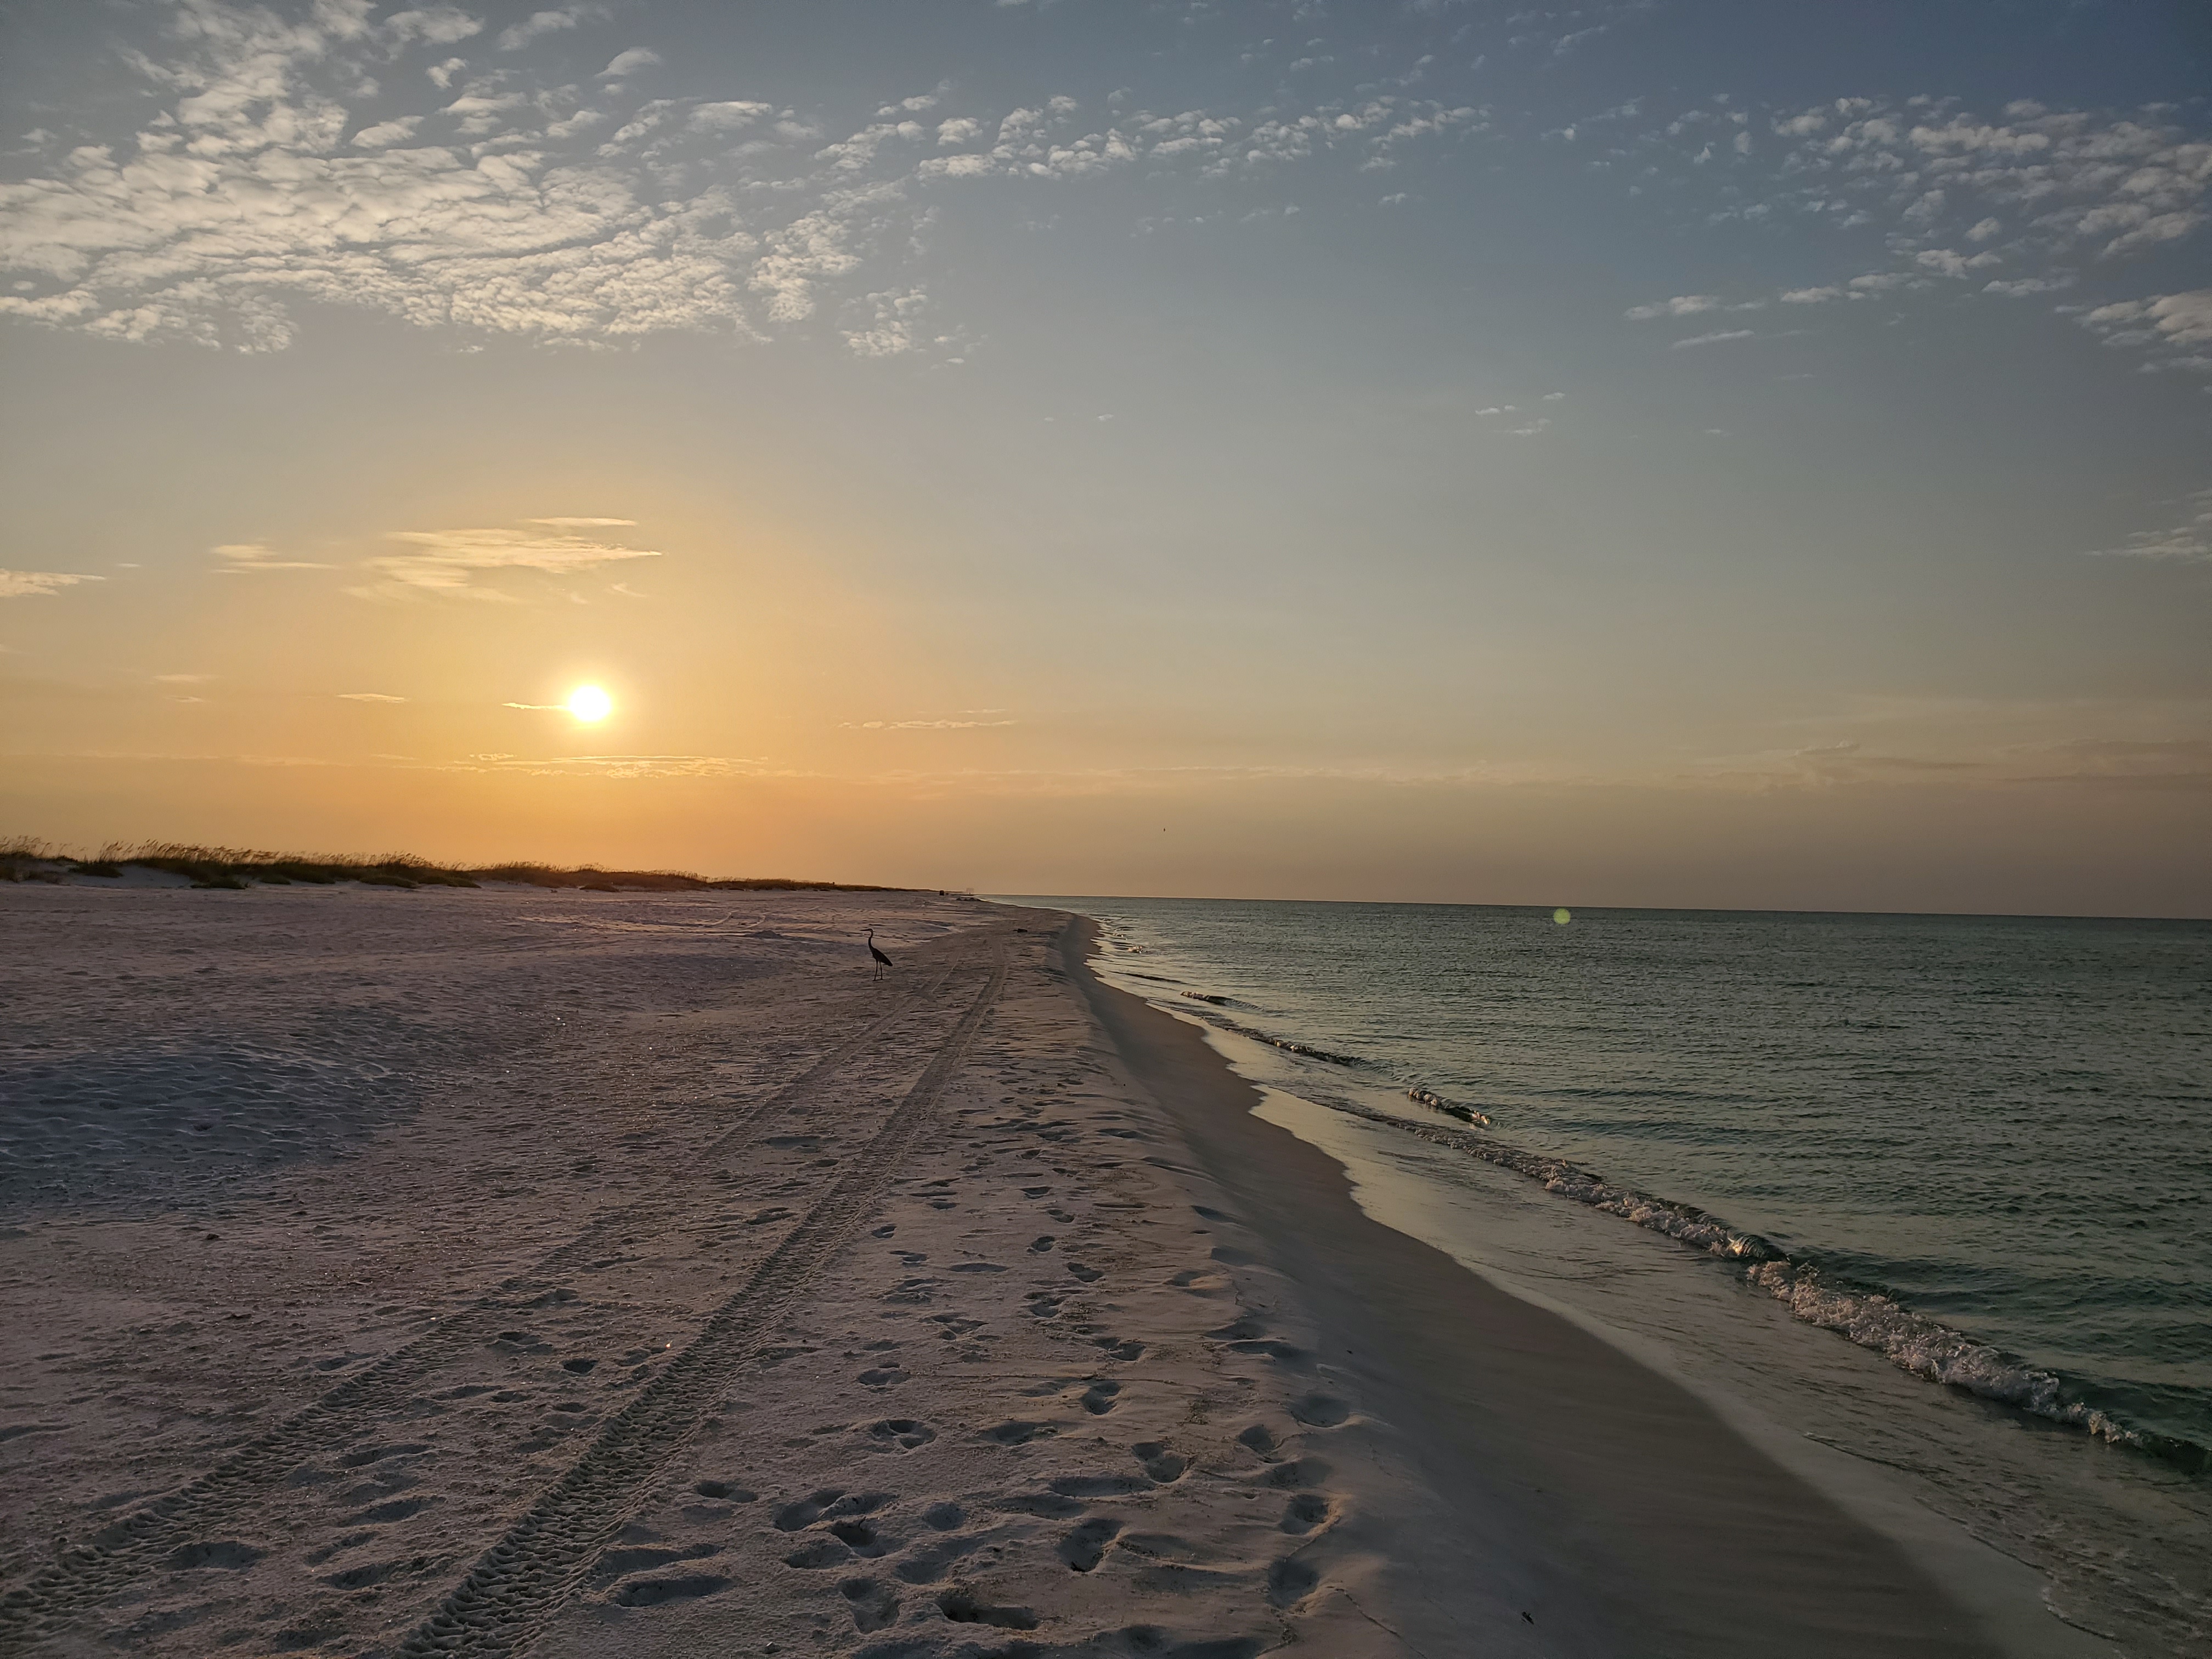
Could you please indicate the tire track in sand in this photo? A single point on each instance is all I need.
(521, 1581)
(138, 1544)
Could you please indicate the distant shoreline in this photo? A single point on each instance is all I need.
(234, 868)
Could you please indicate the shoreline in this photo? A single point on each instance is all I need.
(1559, 1439)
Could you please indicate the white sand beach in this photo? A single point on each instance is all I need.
(488, 1271)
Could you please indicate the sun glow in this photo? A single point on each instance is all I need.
(588, 702)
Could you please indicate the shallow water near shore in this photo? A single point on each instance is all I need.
(1975, 1147)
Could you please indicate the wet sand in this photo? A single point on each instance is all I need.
(596, 1274)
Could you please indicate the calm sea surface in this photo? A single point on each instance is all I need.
(1981, 1147)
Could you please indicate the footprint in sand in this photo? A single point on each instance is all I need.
(1042, 1242)
(373, 1572)
(874, 1605)
(1289, 1581)
(962, 1607)
(1086, 1545)
(806, 1511)
(227, 1553)
(862, 1537)
(725, 1492)
(654, 1592)
(883, 1376)
(819, 1553)
(899, 1434)
(1015, 1432)
(1087, 1274)
(1100, 1397)
(1321, 1411)
(1099, 1485)
(622, 1563)
(1303, 1471)
(1161, 1463)
(932, 1562)
(1260, 1441)
(1306, 1511)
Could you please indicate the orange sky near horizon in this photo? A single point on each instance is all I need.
(1034, 455)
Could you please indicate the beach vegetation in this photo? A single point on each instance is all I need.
(28, 858)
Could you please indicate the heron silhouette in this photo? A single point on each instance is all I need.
(882, 961)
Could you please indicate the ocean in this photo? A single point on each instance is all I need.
(1925, 1193)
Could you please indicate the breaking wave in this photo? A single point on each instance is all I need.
(1871, 1318)
(1912, 1342)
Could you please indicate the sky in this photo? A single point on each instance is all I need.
(1625, 452)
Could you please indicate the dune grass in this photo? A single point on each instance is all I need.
(25, 858)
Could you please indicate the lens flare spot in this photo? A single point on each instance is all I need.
(588, 702)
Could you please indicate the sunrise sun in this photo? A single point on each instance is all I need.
(588, 702)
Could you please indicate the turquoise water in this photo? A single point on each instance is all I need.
(1981, 1146)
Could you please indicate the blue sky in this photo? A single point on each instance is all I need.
(1504, 427)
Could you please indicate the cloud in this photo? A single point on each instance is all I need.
(2183, 318)
(241, 556)
(448, 562)
(1712, 339)
(615, 766)
(2037, 192)
(889, 330)
(183, 679)
(2189, 541)
(438, 25)
(2174, 329)
(240, 200)
(369, 696)
(728, 117)
(385, 134)
(923, 726)
(25, 583)
(628, 63)
(1682, 305)
(547, 22)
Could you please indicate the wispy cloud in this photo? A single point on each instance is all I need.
(370, 696)
(448, 563)
(615, 766)
(1714, 338)
(26, 584)
(239, 557)
(2190, 540)
(1682, 305)
(924, 725)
